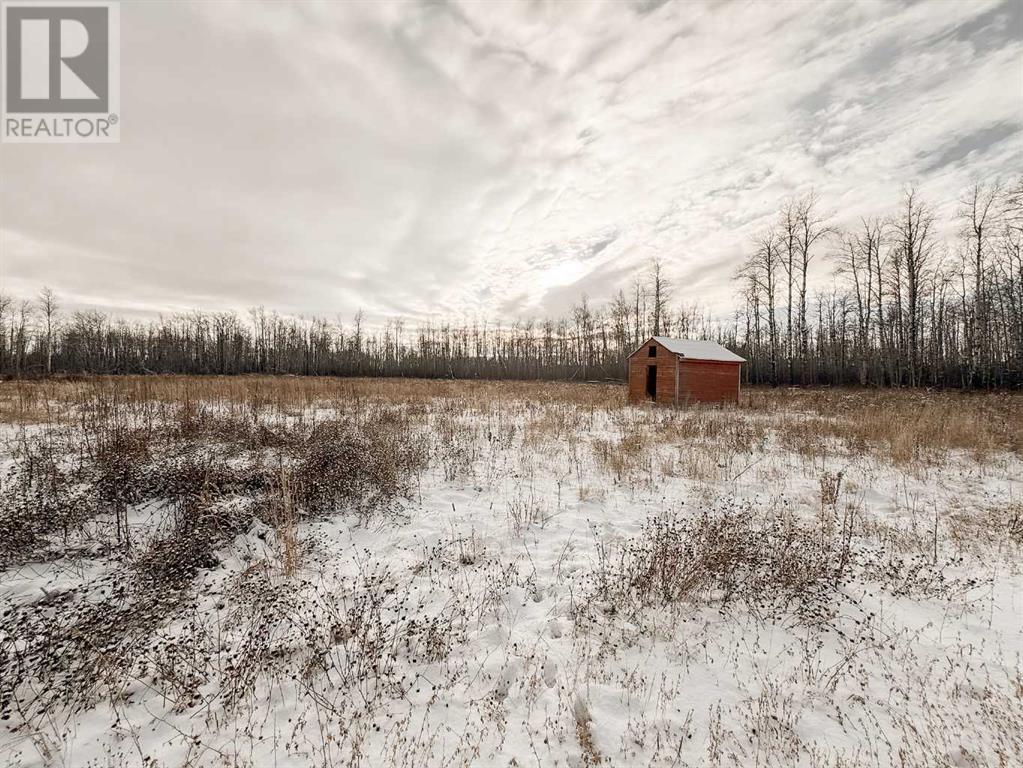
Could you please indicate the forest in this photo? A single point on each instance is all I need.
(907, 305)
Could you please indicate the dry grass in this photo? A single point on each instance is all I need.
(42, 400)
(772, 566)
(906, 424)
(108, 453)
(903, 425)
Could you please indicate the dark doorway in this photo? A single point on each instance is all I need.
(651, 381)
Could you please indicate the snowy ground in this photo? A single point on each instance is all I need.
(554, 578)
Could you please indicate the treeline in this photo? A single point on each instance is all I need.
(585, 346)
(907, 307)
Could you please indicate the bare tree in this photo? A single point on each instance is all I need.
(812, 227)
(48, 310)
(660, 295)
(915, 247)
(762, 271)
(639, 307)
(855, 262)
(5, 305)
(19, 337)
(788, 226)
(977, 210)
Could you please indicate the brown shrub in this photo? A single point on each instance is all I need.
(772, 565)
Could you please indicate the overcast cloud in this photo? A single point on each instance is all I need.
(496, 159)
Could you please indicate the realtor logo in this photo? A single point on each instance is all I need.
(61, 72)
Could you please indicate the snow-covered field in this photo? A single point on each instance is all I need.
(285, 572)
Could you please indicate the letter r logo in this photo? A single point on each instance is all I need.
(57, 59)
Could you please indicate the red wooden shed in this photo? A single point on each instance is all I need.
(677, 371)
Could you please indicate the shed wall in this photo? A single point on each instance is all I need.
(665, 362)
(708, 382)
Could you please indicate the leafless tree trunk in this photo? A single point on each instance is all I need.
(48, 309)
(812, 227)
(660, 295)
(912, 228)
(789, 232)
(977, 209)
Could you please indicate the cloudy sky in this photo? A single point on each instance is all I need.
(496, 159)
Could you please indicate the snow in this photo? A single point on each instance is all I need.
(446, 629)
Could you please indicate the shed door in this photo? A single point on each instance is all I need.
(651, 381)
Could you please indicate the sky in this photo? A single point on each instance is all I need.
(454, 160)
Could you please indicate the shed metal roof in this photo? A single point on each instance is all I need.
(698, 350)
